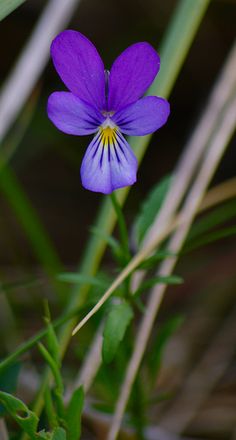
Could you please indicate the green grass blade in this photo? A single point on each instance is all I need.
(29, 220)
(8, 6)
(218, 216)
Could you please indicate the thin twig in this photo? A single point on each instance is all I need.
(183, 175)
(216, 149)
(32, 61)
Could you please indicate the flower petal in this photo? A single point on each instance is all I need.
(143, 117)
(131, 74)
(72, 115)
(80, 66)
(108, 164)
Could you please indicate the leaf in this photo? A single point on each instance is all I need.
(220, 215)
(111, 241)
(54, 368)
(59, 434)
(8, 287)
(27, 419)
(160, 255)
(116, 324)
(151, 207)
(73, 414)
(76, 278)
(52, 341)
(170, 280)
(50, 409)
(163, 336)
(8, 6)
(210, 238)
(8, 381)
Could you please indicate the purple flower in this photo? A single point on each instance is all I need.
(105, 103)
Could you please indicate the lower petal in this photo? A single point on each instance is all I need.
(109, 163)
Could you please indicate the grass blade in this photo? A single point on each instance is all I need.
(8, 6)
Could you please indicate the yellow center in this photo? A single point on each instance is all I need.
(108, 135)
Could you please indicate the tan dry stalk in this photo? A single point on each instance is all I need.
(32, 61)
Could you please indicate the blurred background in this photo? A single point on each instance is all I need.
(47, 164)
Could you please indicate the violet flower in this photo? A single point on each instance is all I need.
(107, 104)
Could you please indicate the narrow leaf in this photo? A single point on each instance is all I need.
(151, 207)
(27, 419)
(76, 278)
(152, 261)
(52, 341)
(53, 366)
(218, 216)
(210, 238)
(169, 280)
(73, 414)
(116, 324)
(8, 6)
(111, 241)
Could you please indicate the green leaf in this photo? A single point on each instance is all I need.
(163, 336)
(31, 223)
(50, 409)
(54, 368)
(210, 238)
(73, 414)
(8, 381)
(8, 287)
(8, 6)
(220, 215)
(151, 207)
(152, 261)
(76, 278)
(53, 345)
(116, 324)
(111, 241)
(170, 280)
(43, 435)
(27, 419)
(59, 434)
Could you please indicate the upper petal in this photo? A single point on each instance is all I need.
(72, 115)
(80, 66)
(143, 116)
(131, 74)
(108, 164)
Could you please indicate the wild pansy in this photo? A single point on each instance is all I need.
(105, 103)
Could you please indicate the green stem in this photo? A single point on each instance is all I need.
(26, 346)
(124, 237)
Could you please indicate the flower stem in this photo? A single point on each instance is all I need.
(124, 238)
